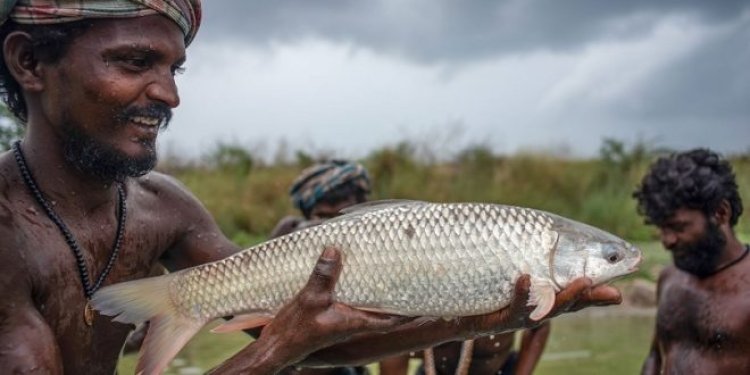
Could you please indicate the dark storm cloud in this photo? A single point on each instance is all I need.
(447, 30)
(690, 97)
(710, 84)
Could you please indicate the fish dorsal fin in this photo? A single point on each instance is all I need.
(379, 205)
(372, 206)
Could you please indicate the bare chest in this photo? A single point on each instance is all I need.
(711, 316)
(57, 283)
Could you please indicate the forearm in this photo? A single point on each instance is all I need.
(652, 364)
(414, 336)
(259, 358)
(532, 347)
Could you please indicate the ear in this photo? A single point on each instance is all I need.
(723, 213)
(21, 62)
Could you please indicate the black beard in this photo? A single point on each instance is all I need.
(102, 161)
(701, 257)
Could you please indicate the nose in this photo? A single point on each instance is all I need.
(164, 89)
(668, 239)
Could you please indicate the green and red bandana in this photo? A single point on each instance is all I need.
(316, 181)
(185, 13)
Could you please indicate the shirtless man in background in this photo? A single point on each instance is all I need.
(702, 324)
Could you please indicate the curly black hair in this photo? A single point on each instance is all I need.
(697, 179)
(49, 43)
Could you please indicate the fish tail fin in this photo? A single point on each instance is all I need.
(167, 334)
(149, 299)
(135, 301)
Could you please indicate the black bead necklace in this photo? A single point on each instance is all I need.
(88, 288)
(735, 261)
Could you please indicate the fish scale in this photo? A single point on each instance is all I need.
(404, 257)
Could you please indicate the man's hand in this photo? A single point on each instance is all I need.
(312, 320)
(309, 322)
(576, 296)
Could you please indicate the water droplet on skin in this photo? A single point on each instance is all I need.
(492, 337)
(31, 210)
(497, 344)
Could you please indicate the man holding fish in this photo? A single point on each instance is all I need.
(93, 81)
(702, 323)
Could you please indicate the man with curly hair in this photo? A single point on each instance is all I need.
(702, 324)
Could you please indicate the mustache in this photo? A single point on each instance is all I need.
(155, 110)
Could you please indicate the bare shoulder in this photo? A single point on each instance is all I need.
(667, 275)
(12, 244)
(162, 186)
(174, 209)
(165, 196)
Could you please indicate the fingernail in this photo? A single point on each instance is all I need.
(329, 253)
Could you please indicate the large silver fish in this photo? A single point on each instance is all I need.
(403, 257)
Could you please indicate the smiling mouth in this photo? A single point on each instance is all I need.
(146, 121)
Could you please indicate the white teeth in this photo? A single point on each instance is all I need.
(148, 121)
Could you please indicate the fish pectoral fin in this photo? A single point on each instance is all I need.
(376, 310)
(541, 295)
(244, 321)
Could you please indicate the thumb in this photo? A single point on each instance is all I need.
(326, 271)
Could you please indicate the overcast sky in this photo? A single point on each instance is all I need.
(343, 77)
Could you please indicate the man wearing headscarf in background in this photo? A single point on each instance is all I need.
(321, 191)
(93, 81)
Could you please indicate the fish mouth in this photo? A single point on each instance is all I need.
(635, 262)
(636, 265)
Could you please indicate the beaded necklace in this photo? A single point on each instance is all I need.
(735, 261)
(88, 288)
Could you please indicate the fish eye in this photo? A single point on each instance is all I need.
(613, 257)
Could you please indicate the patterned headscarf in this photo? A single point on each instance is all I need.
(185, 13)
(316, 181)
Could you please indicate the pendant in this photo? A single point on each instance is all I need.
(88, 314)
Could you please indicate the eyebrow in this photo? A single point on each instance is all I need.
(142, 48)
